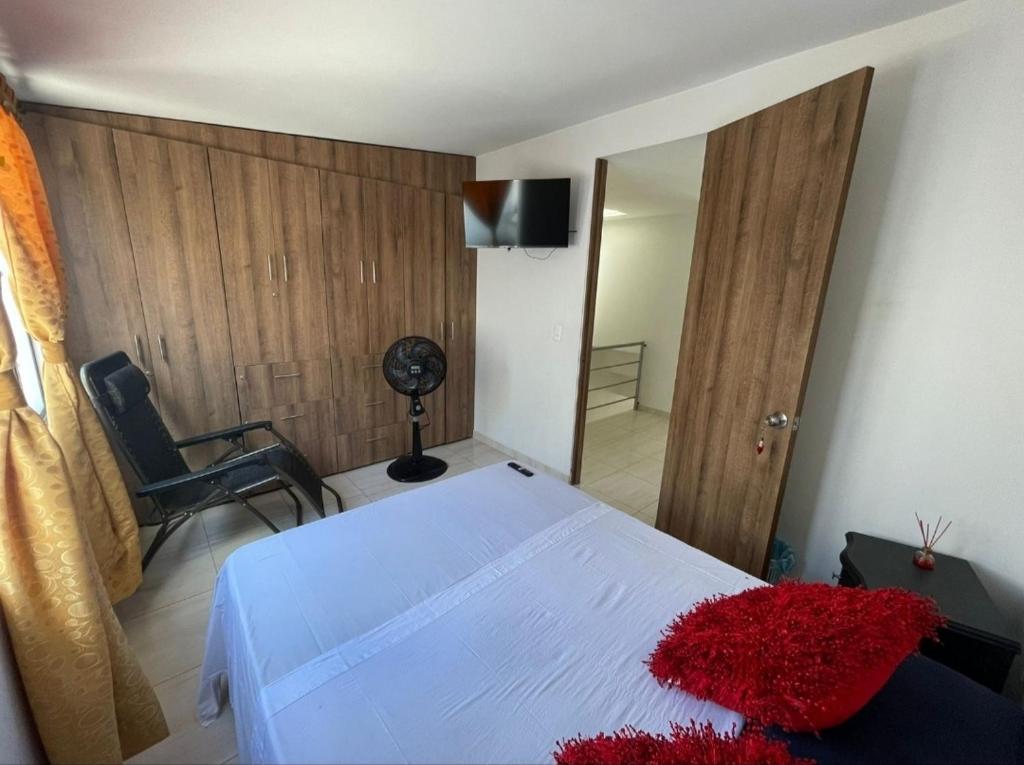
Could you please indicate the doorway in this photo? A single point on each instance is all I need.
(648, 221)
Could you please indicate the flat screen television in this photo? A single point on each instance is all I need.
(523, 213)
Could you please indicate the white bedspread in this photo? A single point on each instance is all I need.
(479, 619)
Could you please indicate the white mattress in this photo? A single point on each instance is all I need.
(479, 619)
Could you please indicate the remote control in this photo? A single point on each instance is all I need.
(520, 469)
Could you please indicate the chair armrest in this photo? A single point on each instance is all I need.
(209, 473)
(224, 434)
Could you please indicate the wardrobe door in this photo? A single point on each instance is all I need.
(169, 206)
(295, 206)
(252, 273)
(386, 279)
(341, 200)
(421, 246)
(460, 306)
(79, 170)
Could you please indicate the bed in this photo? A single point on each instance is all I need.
(479, 619)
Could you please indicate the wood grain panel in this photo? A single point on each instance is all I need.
(248, 242)
(386, 278)
(261, 386)
(295, 206)
(460, 307)
(365, 447)
(772, 199)
(341, 199)
(308, 425)
(271, 242)
(169, 206)
(434, 170)
(363, 399)
(79, 169)
(421, 241)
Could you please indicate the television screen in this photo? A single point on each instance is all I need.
(526, 213)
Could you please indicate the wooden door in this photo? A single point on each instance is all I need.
(169, 206)
(771, 203)
(79, 169)
(460, 310)
(271, 241)
(386, 279)
(341, 199)
(421, 246)
(295, 197)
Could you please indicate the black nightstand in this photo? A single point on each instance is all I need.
(977, 641)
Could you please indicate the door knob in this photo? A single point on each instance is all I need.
(776, 420)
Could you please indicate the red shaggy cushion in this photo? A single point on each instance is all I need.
(693, 745)
(802, 656)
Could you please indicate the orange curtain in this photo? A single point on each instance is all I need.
(37, 282)
(89, 697)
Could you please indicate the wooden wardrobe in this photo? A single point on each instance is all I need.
(256, 275)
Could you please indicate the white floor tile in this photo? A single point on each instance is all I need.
(170, 640)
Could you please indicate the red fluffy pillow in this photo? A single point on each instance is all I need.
(693, 745)
(802, 656)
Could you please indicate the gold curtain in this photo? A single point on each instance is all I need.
(37, 281)
(89, 697)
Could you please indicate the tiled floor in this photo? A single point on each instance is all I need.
(166, 619)
(622, 461)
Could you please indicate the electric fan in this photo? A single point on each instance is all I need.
(415, 366)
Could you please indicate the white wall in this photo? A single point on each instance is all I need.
(916, 399)
(641, 293)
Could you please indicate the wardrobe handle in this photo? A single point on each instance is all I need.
(442, 330)
(372, 366)
(290, 374)
(141, 356)
(373, 270)
(293, 416)
(285, 258)
(163, 346)
(451, 333)
(362, 272)
(375, 403)
(270, 266)
(378, 438)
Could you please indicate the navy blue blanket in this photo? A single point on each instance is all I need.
(927, 714)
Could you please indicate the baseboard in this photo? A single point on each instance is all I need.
(652, 410)
(519, 456)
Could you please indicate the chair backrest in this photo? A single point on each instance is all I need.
(119, 391)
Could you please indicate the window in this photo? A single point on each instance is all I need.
(28, 352)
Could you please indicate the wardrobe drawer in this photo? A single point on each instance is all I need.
(308, 425)
(261, 386)
(365, 447)
(363, 399)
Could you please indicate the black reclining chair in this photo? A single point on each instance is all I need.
(120, 393)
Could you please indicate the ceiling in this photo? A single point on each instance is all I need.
(656, 180)
(464, 76)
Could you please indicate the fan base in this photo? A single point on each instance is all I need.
(412, 469)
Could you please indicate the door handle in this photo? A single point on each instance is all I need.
(451, 334)
(284, 257)
(163, 347)
(270, 266)
(778, 420)
(141, 356)
(373, 270)
(362, 272)
(293, 416)
(290, 374)
(375, 403)
(378, 438)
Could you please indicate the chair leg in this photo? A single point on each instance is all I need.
(337, 496)
(158, 540)
(245, 503)
(298, 506)
(162, 534)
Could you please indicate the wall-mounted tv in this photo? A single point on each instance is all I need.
(524, 213)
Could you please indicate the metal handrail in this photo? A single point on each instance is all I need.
(641, 344)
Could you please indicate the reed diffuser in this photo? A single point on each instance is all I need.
(925, 557)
